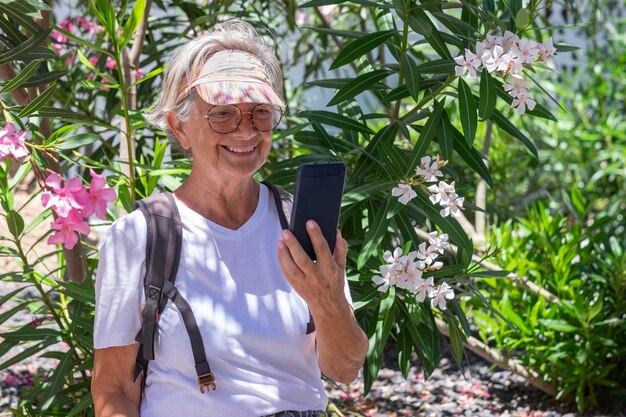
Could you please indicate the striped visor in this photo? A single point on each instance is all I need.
(232, 77)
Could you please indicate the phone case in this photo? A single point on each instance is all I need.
(319, 188)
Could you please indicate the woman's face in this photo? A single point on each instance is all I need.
(235, 155)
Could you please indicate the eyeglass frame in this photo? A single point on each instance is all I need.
(241, 113)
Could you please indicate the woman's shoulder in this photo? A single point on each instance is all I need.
(130, 227)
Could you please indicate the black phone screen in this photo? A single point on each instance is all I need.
(319, 188)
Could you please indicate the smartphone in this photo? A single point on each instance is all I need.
(319, 188)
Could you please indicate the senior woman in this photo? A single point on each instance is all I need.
(249, 283)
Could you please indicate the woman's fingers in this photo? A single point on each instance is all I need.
(287, 264)
(341, 250)
(320, 245)
(299, 256)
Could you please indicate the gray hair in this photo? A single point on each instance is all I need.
(188, 60)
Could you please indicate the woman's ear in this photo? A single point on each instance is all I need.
(177, 127)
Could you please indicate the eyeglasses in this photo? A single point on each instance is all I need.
(226, 119)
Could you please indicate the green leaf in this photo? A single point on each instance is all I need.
(54, 383)
(385, 135)
(426, 135)
(365, 191)
(488, 95)
(559, 325)
(446, 137)
(15, 223)
(376, 232)
(538, 111)
(85, 402)
(76, 141)
(358, 85)
(490, 274)
(448, 224)
(334, 32)
(25, 47)
(10, 295)
(78, 292)
(27, 353)
(29, 333)
(360, 47)
(317, 3)
(337, 120)
(411, 76)
(422, 24)
(45, 78)
(134, 19)
(456, 339)
(21, 77)
(436, 66)
(561, 47)
(37, 103)
(471, 156)
(505, 124)
(19, 15)
(522, 19)
(82, 42)
(467, 111)
(378, 341)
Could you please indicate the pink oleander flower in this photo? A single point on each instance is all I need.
(519, 86)
(404, 192)
(300, 17)
(453, 207)
(546, 50)
(430, 171)
(96, 199)
(427, 253)
(388, 278)
(439, 296)
(409, 279)
(523, 101)
(438, 243)
(12, 143)
(62, 199)
(509, 40)
(441, 193)
(526, 51)
(496, 59)
(68, 228)
(467, 63)
(424, 287)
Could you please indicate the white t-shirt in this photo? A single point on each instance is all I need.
(252, 322)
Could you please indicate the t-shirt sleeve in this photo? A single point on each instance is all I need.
(119, 283)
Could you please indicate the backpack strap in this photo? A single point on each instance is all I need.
(284, 200)
(164, 241)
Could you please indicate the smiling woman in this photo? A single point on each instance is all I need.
(250, 291)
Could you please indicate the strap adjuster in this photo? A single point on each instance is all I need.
(206, 381)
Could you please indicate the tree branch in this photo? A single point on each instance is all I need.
(496, 357)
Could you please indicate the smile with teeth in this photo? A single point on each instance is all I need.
(245, 149)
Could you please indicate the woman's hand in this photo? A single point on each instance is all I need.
(341, 344)
(318, 282)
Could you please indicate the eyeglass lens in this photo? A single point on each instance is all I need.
(226, 119)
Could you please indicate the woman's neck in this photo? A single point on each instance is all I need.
(229, 204)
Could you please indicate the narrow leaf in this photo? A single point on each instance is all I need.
(437, 66)
(15, 223)
(376, 232)
(361, 83)
(360, 47)
(55, 382)
(411, 76)
(467, 111)
(45, 78)
(488, 95)
(337, 120)
(24, 75)
(426, 136)
(335, 32)
(37, 103)
(134, 19)
(25, 47)
(505, 124)
(471, 156)
(446, 139)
